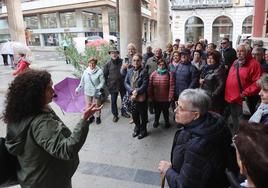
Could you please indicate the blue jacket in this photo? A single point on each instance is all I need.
(199, 154)
(186, 76)
(143, 80)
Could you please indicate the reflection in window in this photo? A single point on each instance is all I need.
(91, 20)
(67, 19)
(247, 25)
(222, 27)
(48, 21)
(194, 29)
(31, 22)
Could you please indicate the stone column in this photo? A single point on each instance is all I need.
(79, 22)
(58, 26)
(149, 31)
(258, 19)
(105, 22)
(130, 25)
(162, 23)
(41, 36)
(15, 21)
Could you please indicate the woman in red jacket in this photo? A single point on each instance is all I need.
(23, 64)
(161, 91)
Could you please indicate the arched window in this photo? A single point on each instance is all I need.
(247, 25)
(194, 29)
(222, 27)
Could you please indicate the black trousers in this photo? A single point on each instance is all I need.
(140, 117)
(161, 107)
(114, 96)
(5, 59)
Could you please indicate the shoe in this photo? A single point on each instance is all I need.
(91, 119)
(156, 124)
(98, 120)
(115, 119)
(126, 115)
(135, 134)
(141, 136)
(167, 125)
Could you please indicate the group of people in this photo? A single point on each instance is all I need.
(197, 83)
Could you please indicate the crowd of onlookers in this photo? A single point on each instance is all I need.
(206, 87)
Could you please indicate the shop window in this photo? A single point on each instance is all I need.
(31, 22)
(51, 39)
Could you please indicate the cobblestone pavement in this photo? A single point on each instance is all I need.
(110, 156)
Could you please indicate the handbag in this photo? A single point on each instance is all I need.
(99, 93)
(128, 104)
(8, 166)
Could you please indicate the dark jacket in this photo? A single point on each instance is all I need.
(145, 57)
(143, 81)
(113, 79)
(198, 154)
(47, 150)
(214, 83)
(186, 76)
(228, 56)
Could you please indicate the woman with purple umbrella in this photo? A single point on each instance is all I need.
(92, 81)
(46, 149)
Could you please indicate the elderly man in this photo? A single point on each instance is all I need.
(199, 151)
(115, 82)
(249, 71)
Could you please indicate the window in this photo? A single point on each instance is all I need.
(194, 29)
(67, 19)
(48, 21)
(222, 27)
(31, 22)
(247, 25)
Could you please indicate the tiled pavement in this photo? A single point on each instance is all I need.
(110, 156)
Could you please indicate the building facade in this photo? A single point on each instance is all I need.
(46, 22)
(211, 19)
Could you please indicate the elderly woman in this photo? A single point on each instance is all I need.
(252, 154)
(199, 149)
(161, 91)
(92, 81)
(136, 83)
(261, 115)
(212, 80)
(47, 151)
(175, 59)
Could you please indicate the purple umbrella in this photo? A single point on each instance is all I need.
(66, 98)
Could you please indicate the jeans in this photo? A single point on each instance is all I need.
(114, 96)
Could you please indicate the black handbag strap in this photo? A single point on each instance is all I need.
(238, 76)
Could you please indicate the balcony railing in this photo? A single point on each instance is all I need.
(192, 4)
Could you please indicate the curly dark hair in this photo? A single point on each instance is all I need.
(25, 96)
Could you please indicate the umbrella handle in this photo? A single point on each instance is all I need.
(162, 179)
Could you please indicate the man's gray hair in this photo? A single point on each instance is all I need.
(198, 100)
(244, 46)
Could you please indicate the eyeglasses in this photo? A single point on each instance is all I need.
(180, 109)
(223, 42)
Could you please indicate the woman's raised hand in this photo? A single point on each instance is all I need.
(91, 110)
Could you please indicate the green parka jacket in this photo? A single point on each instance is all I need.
(47, 150)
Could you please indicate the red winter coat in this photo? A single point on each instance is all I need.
(161, 87)
(249, 73)
(22, 66)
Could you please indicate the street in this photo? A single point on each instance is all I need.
(110, 157)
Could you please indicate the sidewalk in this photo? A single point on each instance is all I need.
(110, 156)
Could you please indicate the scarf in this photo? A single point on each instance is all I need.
(134, 79)
(260, 112)
(92, 71)
(161, 71)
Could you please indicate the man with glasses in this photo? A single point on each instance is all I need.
(228, 54)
